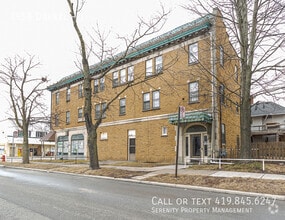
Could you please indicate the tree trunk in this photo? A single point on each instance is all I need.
(245, 116)
(25, 148)
(92, 146)
(245, 131)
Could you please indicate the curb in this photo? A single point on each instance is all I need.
(200, 188)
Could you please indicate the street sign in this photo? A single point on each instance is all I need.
(15, 134)
(182, 112)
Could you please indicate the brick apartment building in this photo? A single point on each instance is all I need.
(194, 66)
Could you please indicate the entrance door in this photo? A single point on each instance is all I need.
(195, 144)
(132, 145)
(132, 149)
(187, 147)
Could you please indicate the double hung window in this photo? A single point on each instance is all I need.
(67, 120)
(193, 92)
(68, 94)
(193, 53)
(153, 66)
(151, 100)
(123, 106)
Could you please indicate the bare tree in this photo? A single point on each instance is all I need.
(25, 94)
(102, 54)
(256, 30)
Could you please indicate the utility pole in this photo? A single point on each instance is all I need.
(181, 111)
(177, 142)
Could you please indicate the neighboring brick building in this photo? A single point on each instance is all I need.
(194, 66)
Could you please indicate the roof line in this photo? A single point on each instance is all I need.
(156, 43)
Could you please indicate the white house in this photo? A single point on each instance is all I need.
(268, 122)
(41, 140)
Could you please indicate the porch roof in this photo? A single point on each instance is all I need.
(49, 137)
(191, 117)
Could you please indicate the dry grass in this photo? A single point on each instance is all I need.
(275, 187)
(79, 169)
(255, 167)
(75, 161)
(138, 164)
(109, 172)
(241, 184)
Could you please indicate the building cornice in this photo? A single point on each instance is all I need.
(169, 39)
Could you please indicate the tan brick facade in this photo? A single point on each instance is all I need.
(150, 131)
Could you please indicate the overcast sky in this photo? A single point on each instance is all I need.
(43, 28)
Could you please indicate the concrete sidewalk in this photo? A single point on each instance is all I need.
(182, 170)
(153, 171)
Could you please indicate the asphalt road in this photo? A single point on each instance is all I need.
(40, 195)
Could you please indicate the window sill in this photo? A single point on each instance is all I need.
(194, 102)
(193, 63)
(152, 109)
(123, 84)
(153, 75)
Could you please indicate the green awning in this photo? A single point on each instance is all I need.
(77, 137)
(191, 117)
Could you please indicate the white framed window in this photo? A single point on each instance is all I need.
(80, 114)
(223, 132)
(57, 98)
(130, 73)
(103, 136)
(193, 53)
(151, 100)
(158, 65)
(115, 79)
(164, 131)
(155, 99)
(193, 92)
(97, 111)
(77, 144)
(123, 106)
(96, 85)
(99, 85)
(102, 83)
(67, 118)
(221, 56)
(80, 91)
(146, 101)
(122, 76)
(68, 94)
(153, 66)
(104, 105)
(148, 68)
(99, 108)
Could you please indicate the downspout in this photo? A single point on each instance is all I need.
(51, 128)
(214, 89)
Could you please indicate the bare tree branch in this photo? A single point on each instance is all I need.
(105, 54)
(25, 92)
